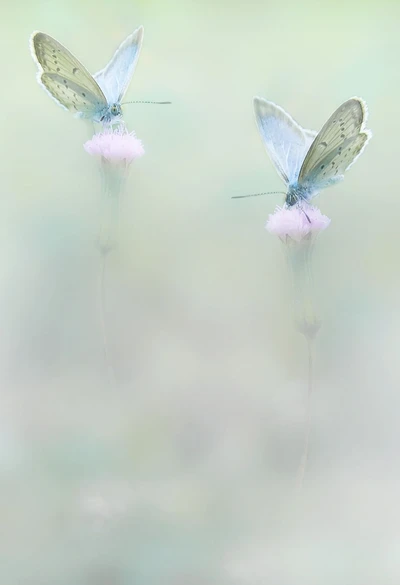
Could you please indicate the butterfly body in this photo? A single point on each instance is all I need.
(95, 97)
(297, 193)
(308, 161)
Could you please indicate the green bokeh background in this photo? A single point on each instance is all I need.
(184, 473)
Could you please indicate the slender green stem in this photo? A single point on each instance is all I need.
(103, 322)
(113, 179)
(310, 388)
(299, 257)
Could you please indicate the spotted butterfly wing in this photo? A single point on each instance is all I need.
(336, 147)
(66, 79)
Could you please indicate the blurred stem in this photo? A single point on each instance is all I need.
(310, 389)
(103, 322)
(299, 258)
(113, 180)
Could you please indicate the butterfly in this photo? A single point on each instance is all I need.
(95, 97)
(308, 161)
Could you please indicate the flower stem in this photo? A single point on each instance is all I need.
(310, 389)
(113, 182)
(102, 309)
(113, 179)
(299, 257)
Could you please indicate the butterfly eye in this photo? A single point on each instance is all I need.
(115, 110)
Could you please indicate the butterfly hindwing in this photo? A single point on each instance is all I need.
(114, 79)
(285, 140)
(337, 146)
(72, 96)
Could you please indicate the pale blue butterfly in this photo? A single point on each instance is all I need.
(96, 97)
(308, 161)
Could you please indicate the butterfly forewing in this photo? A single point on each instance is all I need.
(336, 146)
(116, 76)
(66, 78)
(285, 140)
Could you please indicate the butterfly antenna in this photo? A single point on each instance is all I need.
(258, 194)
(142, 102)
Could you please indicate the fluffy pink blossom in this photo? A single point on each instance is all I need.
(297, 222)
(119, 146)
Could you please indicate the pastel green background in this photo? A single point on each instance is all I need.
(184, 474)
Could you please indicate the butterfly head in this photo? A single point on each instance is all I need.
(115, 110)
(111, 114)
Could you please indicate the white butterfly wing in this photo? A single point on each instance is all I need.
(285, 140)
(116, 76)
(337, 146)
(65, 78)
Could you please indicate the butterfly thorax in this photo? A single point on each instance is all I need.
(297, 193)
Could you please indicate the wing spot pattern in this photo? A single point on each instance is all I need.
(74, 70)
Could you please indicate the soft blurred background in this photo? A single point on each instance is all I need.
(183, 474)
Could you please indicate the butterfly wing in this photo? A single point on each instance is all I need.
(72, 96)
(116, 76)
(65, 78)
(337, 146)
(285, 140)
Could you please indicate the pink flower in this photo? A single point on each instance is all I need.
(297, 222)
(118, 146)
